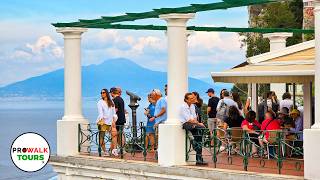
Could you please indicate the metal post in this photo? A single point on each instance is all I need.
(294, 95)
(120, 139)
(279, 161)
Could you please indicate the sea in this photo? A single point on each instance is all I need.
(27, 114)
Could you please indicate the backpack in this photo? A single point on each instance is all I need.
(223, 111)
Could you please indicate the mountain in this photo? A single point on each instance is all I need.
(115, 72)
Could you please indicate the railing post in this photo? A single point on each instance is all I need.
(99, 145)
(79, 131)
(279, 161)
(215, 143)
(245, 157)
(144, 142)
(120, 139)
(186, 145)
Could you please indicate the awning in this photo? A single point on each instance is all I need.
(291, 73)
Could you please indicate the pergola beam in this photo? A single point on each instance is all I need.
(193, 8)
(199, 28)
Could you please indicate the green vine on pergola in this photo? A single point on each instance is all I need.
(112, 22)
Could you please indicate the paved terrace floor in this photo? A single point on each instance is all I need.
(291, 166)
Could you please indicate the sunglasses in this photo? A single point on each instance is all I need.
(103, 92)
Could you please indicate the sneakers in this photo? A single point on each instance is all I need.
(115, 152)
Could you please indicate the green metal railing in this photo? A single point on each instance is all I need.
(281, 153)
(89, 138)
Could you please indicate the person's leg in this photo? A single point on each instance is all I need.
(197, 145)
(101, 140)
(210, 127)
(152, 139)
(113, 134)
(146, 141)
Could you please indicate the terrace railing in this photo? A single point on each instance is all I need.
(268, 151)
(128, 145)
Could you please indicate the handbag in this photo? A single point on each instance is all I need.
(101, 122)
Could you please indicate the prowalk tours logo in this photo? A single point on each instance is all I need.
(30, 152)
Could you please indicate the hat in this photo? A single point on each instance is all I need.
(210, 90)
(295, 111)
(284, 111)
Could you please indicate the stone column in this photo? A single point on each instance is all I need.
(277, 42)
(307, 95)
(67, 128)
(171, 149)
(311, 136)
(254, 100)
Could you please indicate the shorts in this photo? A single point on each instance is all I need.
(214, 123)
(118, 126)
(104, 127)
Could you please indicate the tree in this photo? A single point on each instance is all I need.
(273, 15)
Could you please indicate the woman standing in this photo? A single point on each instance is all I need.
(149, 112)
(198, 106)
(106, 121)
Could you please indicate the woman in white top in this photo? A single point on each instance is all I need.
(286, 101)
(107, 121)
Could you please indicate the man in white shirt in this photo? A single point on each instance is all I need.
(286, 101)
(190, 123)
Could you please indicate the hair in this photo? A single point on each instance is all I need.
(200, 101)
(273, 115)
(251, 116)
(222, 90)
(186, 96)
(157, 92)
(109, 101)
(286, 95)
(116, 91)
(226, 93)
(233, 113)
(236, 98)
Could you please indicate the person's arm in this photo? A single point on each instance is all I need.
(114, 116)
(100, 111)
(298, 127)
(208, 109)
(218, 105)
(246, 128)
(246, 107)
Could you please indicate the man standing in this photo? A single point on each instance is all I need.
(188, 118)
(212, 109)
(119, 105)
(160, 113)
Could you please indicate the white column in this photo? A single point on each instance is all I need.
(307, 95)
(171, 149)
(67, 128)
(254, 101)
(277, 40)
(311, 136)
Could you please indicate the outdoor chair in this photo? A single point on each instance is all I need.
(273, 143)
(234, 138)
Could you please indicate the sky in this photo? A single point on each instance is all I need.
(30, 45)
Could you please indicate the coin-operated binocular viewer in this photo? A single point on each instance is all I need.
(134, 106)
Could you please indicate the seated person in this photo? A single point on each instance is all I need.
(298, 124)
(234, 118)
(251, 126)
(190, 123)
(285, 120)
(269, 124)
